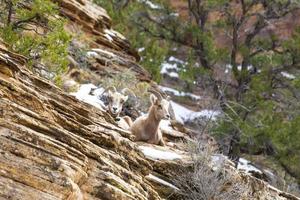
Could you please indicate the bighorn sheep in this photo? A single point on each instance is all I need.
(146, 128)
(115, 104)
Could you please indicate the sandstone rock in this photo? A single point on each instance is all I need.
(55, 147)
(95, 21)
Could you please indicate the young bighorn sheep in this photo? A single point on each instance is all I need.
(146, 128)
(115, 104)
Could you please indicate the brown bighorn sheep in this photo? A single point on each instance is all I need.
(115, 104)
(146, 128)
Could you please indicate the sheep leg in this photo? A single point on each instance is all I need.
(161, 142)
(128, 120)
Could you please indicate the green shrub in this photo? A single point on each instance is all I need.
(37, 32)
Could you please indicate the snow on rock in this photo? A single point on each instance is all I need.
(103, 52)
(173, 59)
(113, 33)
(288, 75)
(167, 67)
(159, 154)
(246, 166)
(141, 49)
(109, 32)
(174, 74)
(150, 4)
(179, 93)
(239, 67)
(174, 14)
(83, 95)
(182, 114)
(108, 37)
(161, 181)
(172, 68)
(91, 54)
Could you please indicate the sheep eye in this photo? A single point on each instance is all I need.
(108, 98)
(122, 101)
(159, 106)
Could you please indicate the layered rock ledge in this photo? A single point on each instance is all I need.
(55, 147)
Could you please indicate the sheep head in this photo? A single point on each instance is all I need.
(116, 100)
(160, 105)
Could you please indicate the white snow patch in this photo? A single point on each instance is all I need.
(228, 66)
(109, 32)
(91, 54)
(161, 181)
(246, 166)
(182, 114)
(174, 14)
(173, 59)
(108, 37)
(104, 52)
(159, 154)
(150, 4)
(117, 34)
(173, 74)
(239, 67)
(141, 49)
(5, 55)
(288, 75)
(167, 67)
(179, 93)
(83, 95)
(172, 68)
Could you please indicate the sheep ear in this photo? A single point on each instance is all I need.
(153, 99)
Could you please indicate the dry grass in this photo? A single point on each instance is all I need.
(206, 183)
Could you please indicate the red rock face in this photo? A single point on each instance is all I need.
(283, 28)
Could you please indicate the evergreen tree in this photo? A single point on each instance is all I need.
(34, 29)
(261, 109)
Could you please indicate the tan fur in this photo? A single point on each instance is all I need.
(128, 120)
(115, 105)
(124, 122)
(146, 128)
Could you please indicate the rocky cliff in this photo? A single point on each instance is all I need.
(55, 147)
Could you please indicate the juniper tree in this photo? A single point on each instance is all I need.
(261, 108)
(34, 29)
